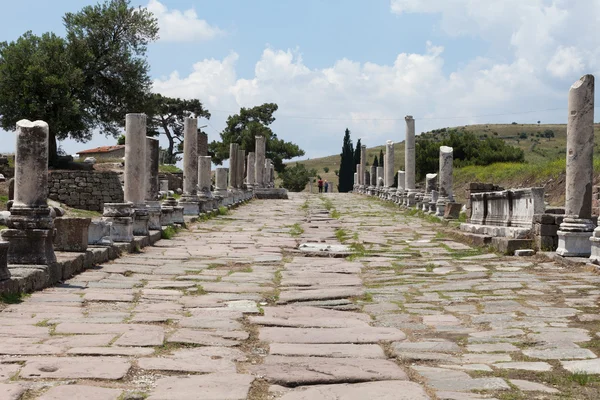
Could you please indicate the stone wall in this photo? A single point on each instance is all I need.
(175, 179)
(87, 190)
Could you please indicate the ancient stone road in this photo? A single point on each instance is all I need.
(230, 310)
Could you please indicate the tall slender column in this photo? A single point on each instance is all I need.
(577, 227)
(372, 176)
(136, 178)
(363, 164)
(389, 164)
(259, 169)
(154, 211)
(445, 180)
(409, 153)
(221, 184)
(31, 227)
(189, 199)
(250, 174)
(233, 157)
(241, 167)
(152, 153)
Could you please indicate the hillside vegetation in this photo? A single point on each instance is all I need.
(544, 146)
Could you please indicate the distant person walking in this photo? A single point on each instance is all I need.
(326, 186)
(320, 184)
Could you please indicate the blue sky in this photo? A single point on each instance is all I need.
(332, 64)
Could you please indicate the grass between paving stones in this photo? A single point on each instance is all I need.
(223, 210)
(14, 298)
(133, 396)
(169, 232)
(342, 235)
(296, 230)
(255, 351)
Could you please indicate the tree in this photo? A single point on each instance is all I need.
(381, 158)
(326, 169)
(39, 82)
(375, 162)
(297, 177)
(167, 115)
(121, 140)
(357, 151)
(84, 83)
(347, 165)
(243, 128)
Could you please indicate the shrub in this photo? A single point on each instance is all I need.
(297, 177)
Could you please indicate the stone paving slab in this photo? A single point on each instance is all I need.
(75, 392)
(11, 391)
(111, 368)
(294, 371)
(230, 386)
(327, 350)
(330, 335)
(398, 390)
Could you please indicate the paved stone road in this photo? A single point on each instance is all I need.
(230, 310)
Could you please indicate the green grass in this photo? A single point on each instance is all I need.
(169, 232)
(223, 210)
(169, 168)
(296, 230)
(336, 214)
(583, 378)
(15, 298)
(342, 235)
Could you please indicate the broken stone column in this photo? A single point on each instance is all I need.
(189, 199)
(268, 173)
(202, 144)
(445, 180)
(204, 194)
(120, 216)
(430, 184)
(135, 171)
(401, 186)
(380, 173)
(259, 165)
(30, 230)
(221, 184)
(389, 164)
(250, 174)
(363, 165)
(152, 161)
(574, 233)
(433, 202)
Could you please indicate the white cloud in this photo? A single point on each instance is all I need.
(567, 61)
(178, 26)
(316, 105)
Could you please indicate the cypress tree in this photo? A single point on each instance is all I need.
(357, 154)
(347, 166)
(381, 158)
(375, 162)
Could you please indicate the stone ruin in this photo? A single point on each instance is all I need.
(133, 215)
(379, 181)
(507, 219)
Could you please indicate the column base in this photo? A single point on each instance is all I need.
(574, 244)
(141, 218)
(121, 229)
(29, 246)
(154, 214)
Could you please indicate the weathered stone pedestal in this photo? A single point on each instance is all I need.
(575, 243)
(177, 215)
(120, 215)
(71, 234)
(4, 272)
(166, 215)
(154, 215)
(190, 204)
(141, 218)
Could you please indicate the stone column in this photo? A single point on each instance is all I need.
(577, 227)
(259, 169)
(379, 181)
(363, 165)
(250, 172)
(389, 164)
(4, 272)
(409, 161)
(221, 181)
(136, 178)
(372, 177)
(154, 212)
(152, 153)
(204, 175)
(267, 173)
(202, 144)
(233, 157)
(445, 180)
(241, 167)
(430, 184)
(30, 230)
(189, 199)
